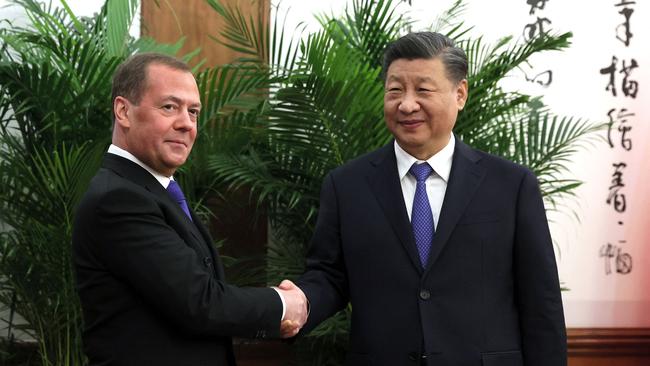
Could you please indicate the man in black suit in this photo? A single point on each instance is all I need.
(150, 281)
(443, 251)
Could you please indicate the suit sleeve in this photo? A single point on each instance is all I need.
(136, 244)
(325, 281)
(536, 282)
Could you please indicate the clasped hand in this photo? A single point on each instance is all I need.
(295, 315)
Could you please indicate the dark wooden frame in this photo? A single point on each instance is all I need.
(609, 341)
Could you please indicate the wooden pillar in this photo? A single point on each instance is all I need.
(169, 20)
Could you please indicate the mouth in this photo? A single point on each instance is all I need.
(177, 142)
(410, 123)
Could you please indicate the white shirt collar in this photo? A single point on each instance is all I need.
(164, 181)
(440, 162)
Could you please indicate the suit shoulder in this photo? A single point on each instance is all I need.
(360, 164)
(108, 189)
(500, 164)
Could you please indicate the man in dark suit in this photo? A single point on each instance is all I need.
(150, 281)
(443, 251)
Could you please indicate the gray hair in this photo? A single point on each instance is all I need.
(428, 45)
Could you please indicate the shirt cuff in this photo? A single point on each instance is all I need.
(284, 305)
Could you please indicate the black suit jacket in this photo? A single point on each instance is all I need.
(490, 293)
(150, 281)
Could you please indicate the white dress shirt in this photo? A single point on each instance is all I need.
(436, 183)
(164, 181)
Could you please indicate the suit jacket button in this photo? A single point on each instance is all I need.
(425, 295)
(413, 356)
(207, 261)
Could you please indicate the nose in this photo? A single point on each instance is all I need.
(185, 121)
(409, 104)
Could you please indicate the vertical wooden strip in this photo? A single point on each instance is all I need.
(169, 20)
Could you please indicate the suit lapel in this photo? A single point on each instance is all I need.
(464, 178)
(385, 184)
(140, 176)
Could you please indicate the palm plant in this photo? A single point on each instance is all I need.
(55, 123)
(317, 102)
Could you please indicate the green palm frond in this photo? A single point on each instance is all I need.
(47, 182)
(545, 143)
(449, 23)
(251, 171)
(225, 89)
(488, 104)
(367, 28)
(41, 192)
(242, 34)
(120, 15)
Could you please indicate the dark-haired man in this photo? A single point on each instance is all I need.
(150, 281)
(443, 251)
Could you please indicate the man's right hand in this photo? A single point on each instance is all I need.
(296, 312)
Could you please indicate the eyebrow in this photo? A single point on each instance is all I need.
(178, 100)
(420, 79)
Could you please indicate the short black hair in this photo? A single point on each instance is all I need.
(130, 77)
(428, 45)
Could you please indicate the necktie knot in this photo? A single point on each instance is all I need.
(175, 191)
(421, 171)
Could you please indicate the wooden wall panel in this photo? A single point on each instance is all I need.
(609, 347)
(169, 20)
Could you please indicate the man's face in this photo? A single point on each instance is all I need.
(162, 127)
(421, 105)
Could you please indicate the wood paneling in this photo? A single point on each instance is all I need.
(194, 19)
(609, 346)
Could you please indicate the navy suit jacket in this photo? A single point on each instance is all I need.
(490, 293)
(150, 281)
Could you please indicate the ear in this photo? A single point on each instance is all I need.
(461, 94)
(120, 111)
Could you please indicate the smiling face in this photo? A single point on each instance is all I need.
(421, 105)
(161, 129)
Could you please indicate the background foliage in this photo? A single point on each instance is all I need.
(275, 121)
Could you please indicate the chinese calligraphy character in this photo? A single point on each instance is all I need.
(537, 28)
(617, 183)
(623, 261)
(624, 28)
(626, 143)
(611, 70)
(630, 87)
(536, 4)
(543, 78)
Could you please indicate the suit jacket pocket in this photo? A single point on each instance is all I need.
(357, 359)
(506, 358)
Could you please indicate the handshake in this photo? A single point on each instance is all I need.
(296, 310)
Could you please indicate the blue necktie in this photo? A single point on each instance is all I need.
(175, 191)
(421, 216)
